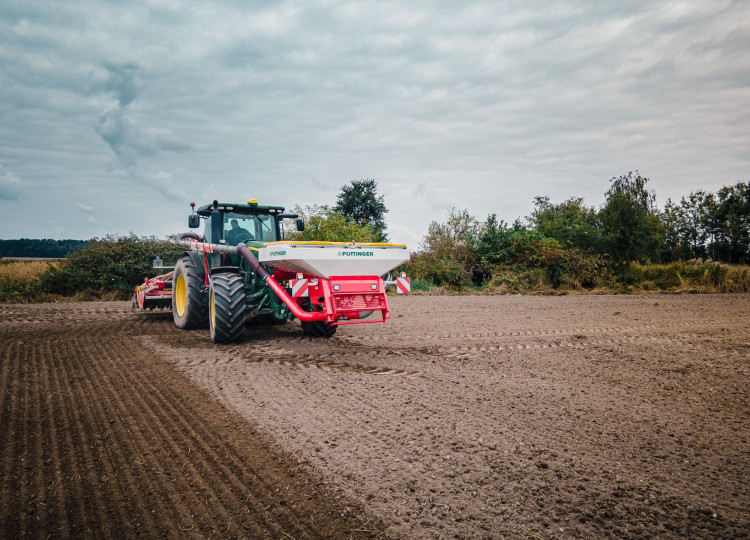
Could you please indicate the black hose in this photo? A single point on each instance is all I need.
(188, 234)
(240, 249)
(216, 248)
(252, 261)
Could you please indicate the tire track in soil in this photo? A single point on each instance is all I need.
(101, 439)
(364, 340)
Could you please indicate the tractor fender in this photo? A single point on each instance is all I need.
(225, 270)
(197, 260)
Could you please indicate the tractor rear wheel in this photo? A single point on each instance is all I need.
(318, 329)
(227, 308)
(188, 307)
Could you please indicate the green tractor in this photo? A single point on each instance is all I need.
(242, 267)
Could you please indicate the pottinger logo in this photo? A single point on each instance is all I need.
(277, 253)
(355, 253)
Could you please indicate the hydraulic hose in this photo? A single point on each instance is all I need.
(206, 248)
(253, 261)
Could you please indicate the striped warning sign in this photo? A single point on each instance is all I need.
(299, 288)
(403, 285)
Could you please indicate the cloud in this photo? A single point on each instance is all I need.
(85, 207)
(131, 145)
(11, 186)
(122, 81)
(479, 105)
(166, 185)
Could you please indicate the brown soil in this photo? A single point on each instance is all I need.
(467, 417)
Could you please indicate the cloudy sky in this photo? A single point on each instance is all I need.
(115, 115)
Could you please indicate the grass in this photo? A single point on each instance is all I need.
(635, 278)
(23, 270)
(19, 280)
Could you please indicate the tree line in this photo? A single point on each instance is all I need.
(630, 227)
(572, 243)
(42, 249)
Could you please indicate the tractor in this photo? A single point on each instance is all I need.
(242, 267)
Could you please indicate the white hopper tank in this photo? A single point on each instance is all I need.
(326, 259)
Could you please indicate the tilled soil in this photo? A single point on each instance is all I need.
(100, 438)
(465, 417)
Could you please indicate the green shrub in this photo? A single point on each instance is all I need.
(421, 285)
(442, 271)
(113, 265)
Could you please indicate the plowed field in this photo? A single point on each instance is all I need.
(465, 417)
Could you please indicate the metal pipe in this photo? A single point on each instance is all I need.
(298, 312)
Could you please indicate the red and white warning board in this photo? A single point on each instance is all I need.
(299, 288)
(403, 285)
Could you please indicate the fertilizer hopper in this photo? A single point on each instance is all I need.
(327, 259)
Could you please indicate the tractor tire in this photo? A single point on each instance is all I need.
(188, 307)
(227, 308)
(318, 329)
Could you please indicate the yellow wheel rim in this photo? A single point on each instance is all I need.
(213, 311)
(180, 295)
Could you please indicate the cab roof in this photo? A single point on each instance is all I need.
(240, 208)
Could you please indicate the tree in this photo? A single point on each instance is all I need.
(360, 203)
(674, 224)
(447, 256)
(571, 223)
(687, 226)
(731, 223)
(631, 225)
(108, 265)
(324, 225)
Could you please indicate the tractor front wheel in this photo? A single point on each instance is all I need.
(318, 329)
(188, 307)
(227, 308)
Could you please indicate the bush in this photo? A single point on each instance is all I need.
(442, 271)
(111, 265)
(687, 276)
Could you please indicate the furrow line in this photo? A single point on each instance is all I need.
(61, 380)
(89, 468)
(10, 449)
(26, 472)
(104, 408)
(40, 489)
(229, 465)
(152, 435)
(7, 364)
(56, 492)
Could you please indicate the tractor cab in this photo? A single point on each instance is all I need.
(232, 223)
(251, 224)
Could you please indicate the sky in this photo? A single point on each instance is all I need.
(115, 115)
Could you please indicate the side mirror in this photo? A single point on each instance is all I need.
(194, 221)
(300, 225)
